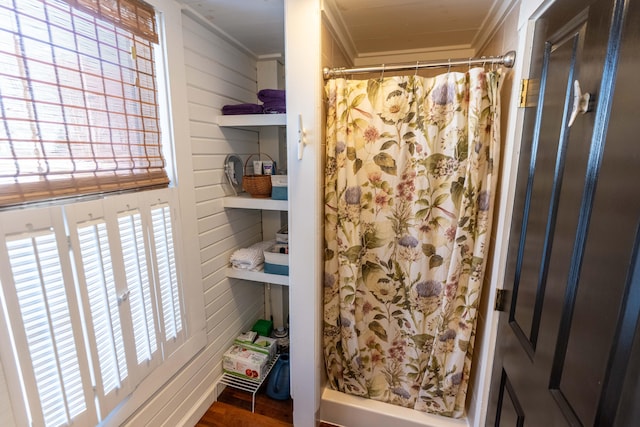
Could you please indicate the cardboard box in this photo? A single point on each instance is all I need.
(261, 344)
(245, 363)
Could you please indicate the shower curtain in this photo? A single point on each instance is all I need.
(411, 165)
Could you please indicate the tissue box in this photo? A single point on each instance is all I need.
(276, 262)
(279, 187)
(246, 338)
(245, 363)
(263, 345)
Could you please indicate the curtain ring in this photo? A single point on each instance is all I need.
(449, 67)
(416, 74)
(382, 74)
(469, 63)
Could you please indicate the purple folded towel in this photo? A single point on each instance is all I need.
(271, 95)
(242, 109)
(275, 108)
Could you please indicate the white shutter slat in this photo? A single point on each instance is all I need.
(134, 254)
(94, 243)
(36, 323)
(101, 291)
(42, 301)
(167, 275)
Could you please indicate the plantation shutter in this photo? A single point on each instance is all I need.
(40, 300)
(106, 328)
(129, 285)
(78, 99)
(167, 276)
(139, 285)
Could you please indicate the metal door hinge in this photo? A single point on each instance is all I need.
(529, 90)
(501, 300)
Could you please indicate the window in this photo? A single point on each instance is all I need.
(78, 99)
(91, 299)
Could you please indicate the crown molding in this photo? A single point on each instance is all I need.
(196, 16)
(418, 55)
(335, 24)
(496, 16)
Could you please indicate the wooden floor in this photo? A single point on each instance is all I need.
(233, 409)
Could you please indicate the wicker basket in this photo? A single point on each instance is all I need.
(259, 186)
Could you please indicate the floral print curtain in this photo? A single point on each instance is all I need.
(411, 165)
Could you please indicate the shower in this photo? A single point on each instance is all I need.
(411, 167)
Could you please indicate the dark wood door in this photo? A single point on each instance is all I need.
(564, 342)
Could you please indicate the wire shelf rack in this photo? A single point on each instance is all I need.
(247, 384)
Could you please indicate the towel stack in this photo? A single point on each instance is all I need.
(250, 258)
(242, 109)
(274, 100)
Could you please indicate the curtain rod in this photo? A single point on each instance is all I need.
(508, 60)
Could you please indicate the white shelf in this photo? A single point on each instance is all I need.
(245, 201)
(257, 276)
(242, 120)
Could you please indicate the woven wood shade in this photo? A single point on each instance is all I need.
(133, 15)
(78, 99)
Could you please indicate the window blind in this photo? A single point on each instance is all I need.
(78, 99)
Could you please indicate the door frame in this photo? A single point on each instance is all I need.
(530, 11)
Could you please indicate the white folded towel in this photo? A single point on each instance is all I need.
(250, 258)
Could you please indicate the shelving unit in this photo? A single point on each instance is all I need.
(247, 384)
(269, 127)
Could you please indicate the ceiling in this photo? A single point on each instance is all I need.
(373, 27)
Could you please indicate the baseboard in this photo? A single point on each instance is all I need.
(201, 406)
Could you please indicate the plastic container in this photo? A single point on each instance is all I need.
(279, 187)
(263, 327)
(278, 387)
(275, 261)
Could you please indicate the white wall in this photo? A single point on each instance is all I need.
(304, 81)
(217, 74)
